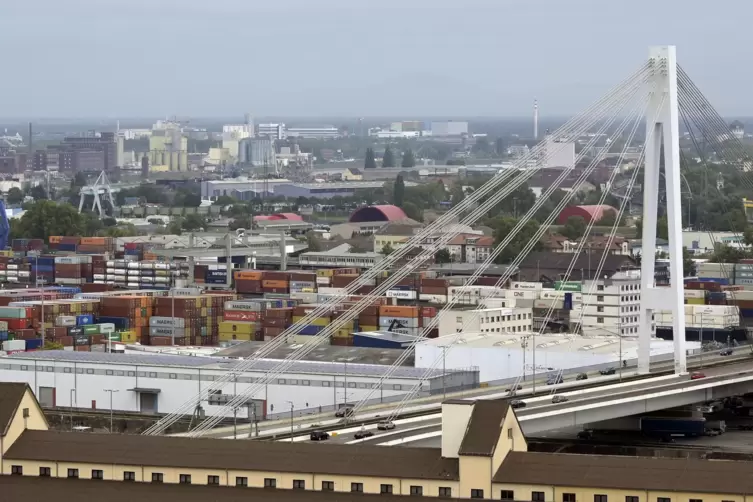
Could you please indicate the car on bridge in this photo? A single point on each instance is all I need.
(581, 376)
(516, 387)
(363, 433)
(517, 403)
(559, 399)
(385, 425)
(554, 379)
(726, 352)
(319, 436)
(608, 371)
(344, 411)
(696, 375)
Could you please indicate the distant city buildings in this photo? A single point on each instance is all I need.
(92, 152)
(168, 147)
(328, 132)
(271, 131)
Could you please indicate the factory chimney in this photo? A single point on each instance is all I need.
(535, 119)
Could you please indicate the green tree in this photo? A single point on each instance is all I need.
(313, 243)
(442, 256)
(224, 200)
(387, 249)
(15, 196)
(38, 192)
(503, 226)
(608, 219)
(662, 228)
(44, 218)
(413, 212)
(408, 159)
(398, 191)
(193, 222)
(574, 228)
(388, 159)
(688, 265)
(244, 221)
(370, 161)
(175, 227)
(50, 345)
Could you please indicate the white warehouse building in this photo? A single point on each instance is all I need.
(154, 383)
(504, 356)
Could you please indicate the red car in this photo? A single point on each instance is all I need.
(697, 375)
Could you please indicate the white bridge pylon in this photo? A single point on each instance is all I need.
(662, 137)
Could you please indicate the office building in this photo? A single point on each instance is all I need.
(93, 152)
(329, 132)
(271, 131)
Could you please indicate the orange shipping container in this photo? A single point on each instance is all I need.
(93, 241)
(55, 239)
(247, 275)
(274, 284)
(396, 311)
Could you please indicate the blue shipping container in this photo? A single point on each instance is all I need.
(82, 320)
(3, 336)
(311, 330)
(724, 282)
(34, 344)
(122, 323)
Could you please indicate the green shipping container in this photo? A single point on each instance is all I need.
(568, 286)
(113, 337)
(91, 329)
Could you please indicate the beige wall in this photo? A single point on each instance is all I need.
(18, 424)
(554, 494)
(475, 474)
(505, 443)
(455, 419)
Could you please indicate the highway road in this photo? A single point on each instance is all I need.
(301, 426)
(425, 430)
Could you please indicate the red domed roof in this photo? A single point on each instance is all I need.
(588, 213)
(378, 213)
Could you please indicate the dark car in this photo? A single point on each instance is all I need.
(554, 379)
(608, 371)
(515, 404)
(725, 352)
(363, 434)
(319, 436)
(517, 387)
(559, 399)
(345, 411)
(581, 376)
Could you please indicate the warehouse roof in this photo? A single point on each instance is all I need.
(626, 473)
(260, 366)
(326, 353)
(33, 488)
(221, 454)
(11, 395)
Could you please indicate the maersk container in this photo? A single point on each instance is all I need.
(65, 320)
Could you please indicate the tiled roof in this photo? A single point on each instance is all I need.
(484, 427)
(11, 395)
(222, 454)
(627, 473)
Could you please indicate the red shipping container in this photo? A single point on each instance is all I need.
(16, 324)
(240, 315)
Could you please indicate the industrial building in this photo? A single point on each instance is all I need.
(256, 152)
(168, 147)
(271, 131)
(484, 455)
(93, 152)
(488, 320)
(328, 132)
(449, 128)
(153, 383)
(609, 306)
(504, 356)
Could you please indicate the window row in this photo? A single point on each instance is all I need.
(509, 496)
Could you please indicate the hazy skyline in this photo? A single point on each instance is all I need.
(98, 58)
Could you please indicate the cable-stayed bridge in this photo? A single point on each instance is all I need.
(646, 109)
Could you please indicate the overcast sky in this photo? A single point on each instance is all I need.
(217, 58)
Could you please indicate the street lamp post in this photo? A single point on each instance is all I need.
(111, 391)
(292, 407)
(73, 391)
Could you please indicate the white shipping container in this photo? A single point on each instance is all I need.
(695, 293)
(73, 260)
(304, 297)
(405, 322)
(24, 273)
(163, 331)
(175, 322)
(10, 345)
(12, 266)
(65, 280)
(401, 294)
(324, 281)
(106, 327)
(433, 298)
(65, 320)
(551, 294)
(521, 294)
(240, 305)
(549, 304)
(534, 286)
(333, 291)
